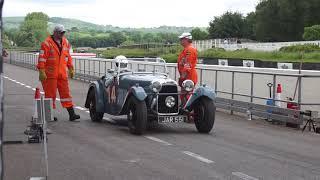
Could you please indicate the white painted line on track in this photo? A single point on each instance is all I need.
(57, 99)
(80, 108)
(244, 176)
(197, 156)
(158, 140)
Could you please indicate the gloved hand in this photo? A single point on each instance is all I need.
(42, 75)
(71, 73)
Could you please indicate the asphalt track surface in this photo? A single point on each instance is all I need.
(236, 149)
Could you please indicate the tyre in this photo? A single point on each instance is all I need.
(137, 116)
(94, 115)
(204, 115)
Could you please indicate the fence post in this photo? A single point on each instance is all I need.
(84, 69)
(75, 65)
(232, 91)
(89, 67)
(274, 88)
(201, 79)
(216, 83)
(300, 97)
(251, 93)
(99, 68)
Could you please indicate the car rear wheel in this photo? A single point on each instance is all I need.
(94, 115)
(137, 116)
(204, 115)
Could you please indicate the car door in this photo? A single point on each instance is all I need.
(115, 96)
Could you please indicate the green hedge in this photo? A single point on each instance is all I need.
(286, 54)
(301, 48)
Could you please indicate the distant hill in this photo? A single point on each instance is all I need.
(14, 22)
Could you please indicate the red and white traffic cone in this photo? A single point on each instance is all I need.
(36, 97)
(278, 96)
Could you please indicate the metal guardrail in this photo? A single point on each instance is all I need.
(231, 46)
(89, 69)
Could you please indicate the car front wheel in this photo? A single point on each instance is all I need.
(137, 116)
(94, 115)
(204, 115)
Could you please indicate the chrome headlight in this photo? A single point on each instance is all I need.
(170, 102)
(188, 85)
(156, 86)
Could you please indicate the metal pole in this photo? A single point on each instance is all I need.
(100, 68)
(251, 92)
(216, 82)
(299, 99)
(89, 66)
(94, 68)
(300, 91)
(274, 88)
(105, 67)
(84, 69)
(232, 91)
(75, 65)
(1, 97)
(43, 117)
(201, 79)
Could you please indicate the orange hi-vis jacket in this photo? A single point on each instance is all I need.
(54, 61)
(187, 62)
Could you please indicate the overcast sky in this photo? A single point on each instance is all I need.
(132, 13)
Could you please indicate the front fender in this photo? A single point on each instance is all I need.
(135, 91)
(138, 92)
(99, 95)
(200, 92)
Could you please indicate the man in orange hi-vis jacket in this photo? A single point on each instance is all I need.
(187, 63)
(54, 59)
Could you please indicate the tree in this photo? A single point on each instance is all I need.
(34, 27)
(249, 29)
(311, 12)
(267, 21)
(280, 20)
(312, 33)
(148, 37)
(198, 34)
(74, 29)
(229, 25)
(117, 38)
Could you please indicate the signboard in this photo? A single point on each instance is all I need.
(285, 66)
(223, 62)
(248, 63)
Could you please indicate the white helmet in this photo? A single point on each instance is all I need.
(186, 35)
(123, 61)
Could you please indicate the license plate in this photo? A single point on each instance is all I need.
(172, 119)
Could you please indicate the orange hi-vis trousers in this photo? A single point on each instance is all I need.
(50, 87)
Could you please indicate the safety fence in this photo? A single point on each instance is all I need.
(231, 46)
(238, 89)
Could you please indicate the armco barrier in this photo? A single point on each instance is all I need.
(239, 89)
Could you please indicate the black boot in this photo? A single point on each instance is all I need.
(72, 115)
